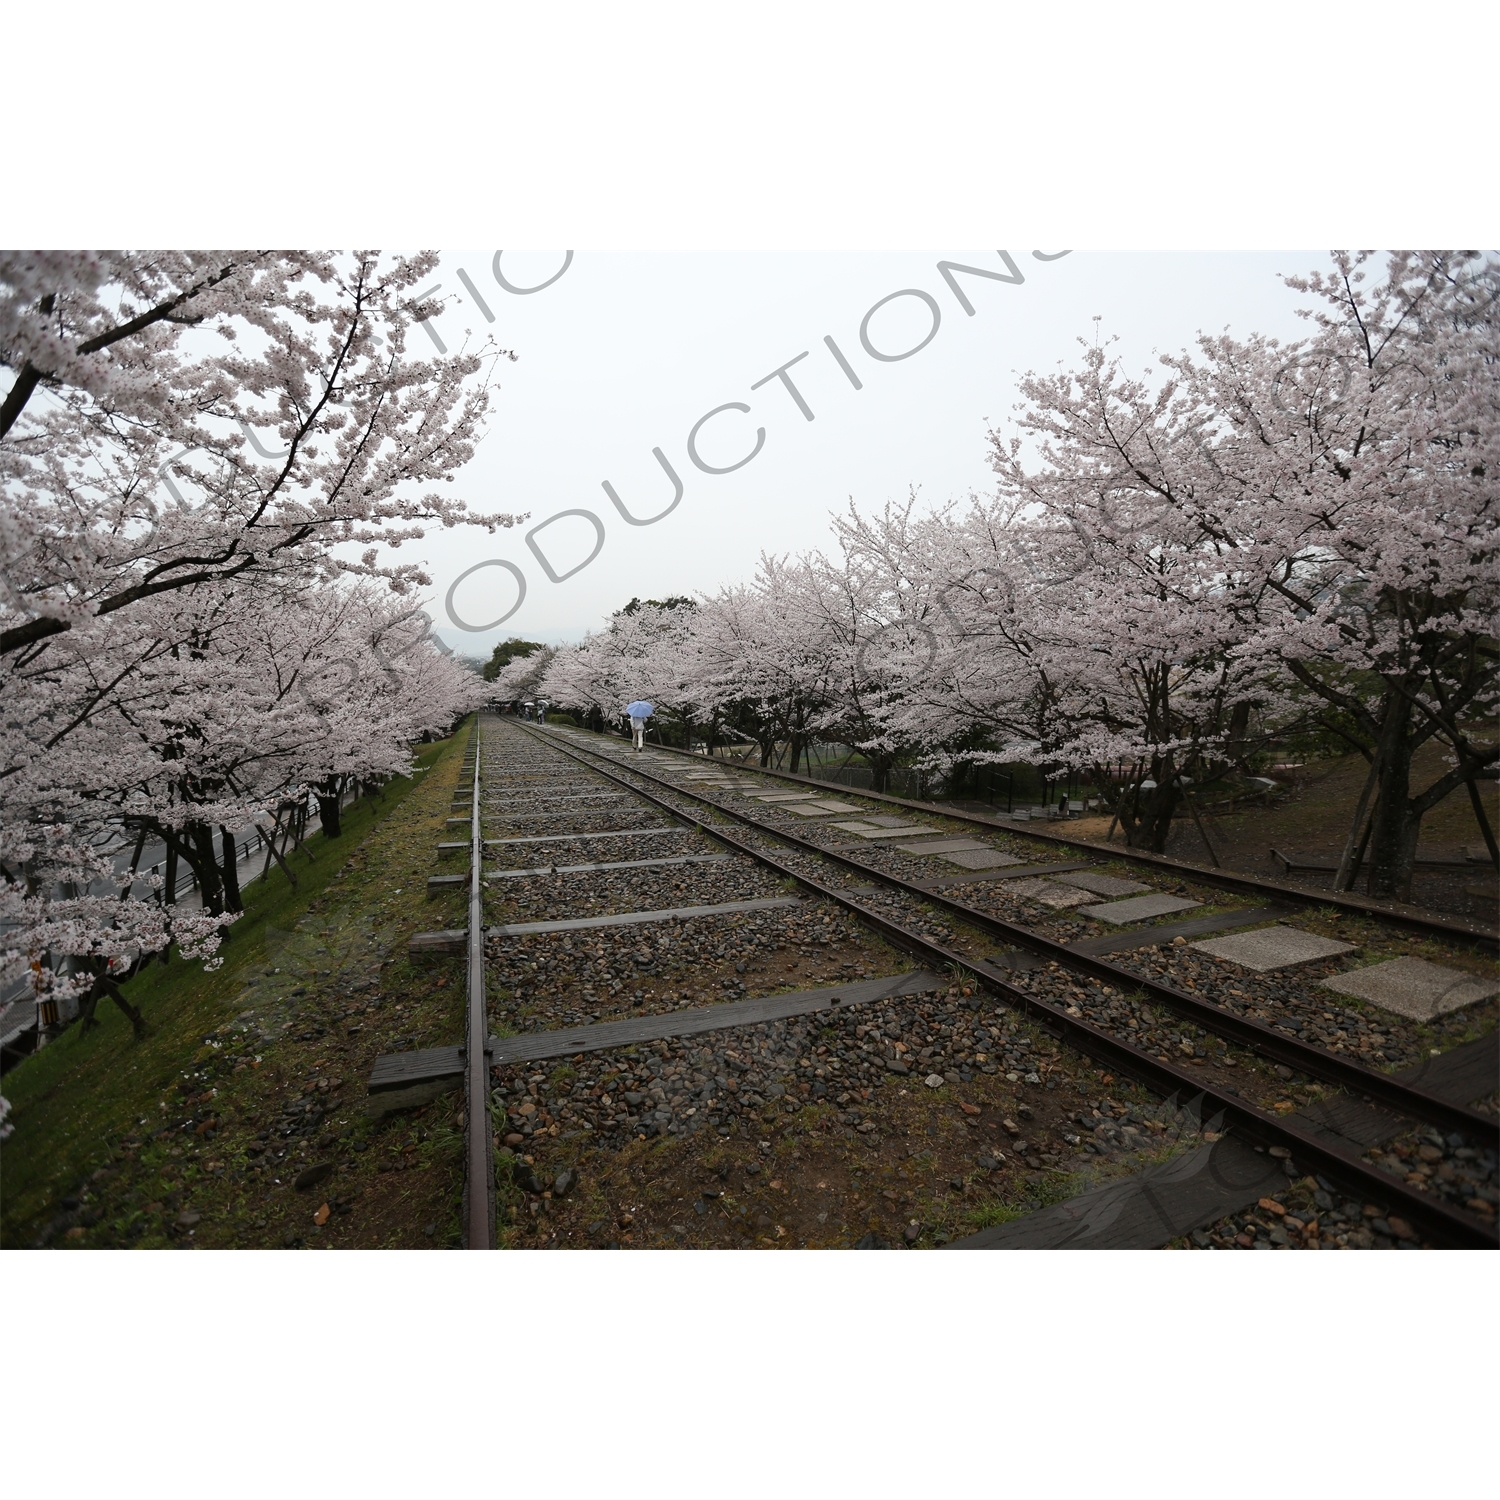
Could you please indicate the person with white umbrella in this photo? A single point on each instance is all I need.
(639, 712)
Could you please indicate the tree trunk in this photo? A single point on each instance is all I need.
(1146, 817)
(1343, 878)
(232, 901)
(1157, 823)
(1393, 840)
(1236, 749)
(103, 985)
(206, 868)
(1484, 822)
(329, 798)
(169, 890)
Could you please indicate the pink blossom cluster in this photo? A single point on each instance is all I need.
(200, 456)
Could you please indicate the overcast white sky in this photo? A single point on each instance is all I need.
(623, 353)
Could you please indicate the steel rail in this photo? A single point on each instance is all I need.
(1249, 885)
(479, 1162)
(1449, 1224)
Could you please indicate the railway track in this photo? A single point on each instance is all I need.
(1256, 1036)
(1410, 1100)
(546, 801)
(1407, 918)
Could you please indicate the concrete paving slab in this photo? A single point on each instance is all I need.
(784, 797)
(1048, 892)
(886, 821)
(811, 810)
(1413, 987)
(855, 825)
(1139, 908)
(828, 804)
(1103, 885)
(1272, 948)
(573, 838)
(916, 831)
(978, 859)
(634, 918)
(944, 846)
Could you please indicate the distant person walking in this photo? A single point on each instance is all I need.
(639, 712)
(541, 710)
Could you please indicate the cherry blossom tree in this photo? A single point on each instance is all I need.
(270, 694)
(640, 654)
(200, 456)
(1338, 496)
(179, 418)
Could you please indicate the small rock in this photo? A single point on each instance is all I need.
(969, 1109)
(430, 1230)
(1284, 1073)
(1400, 1228)
(314, 1176)
(912, 1233)
(564, 1182)
(188, 1218)
(933, 1081)
(1025, 1111)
